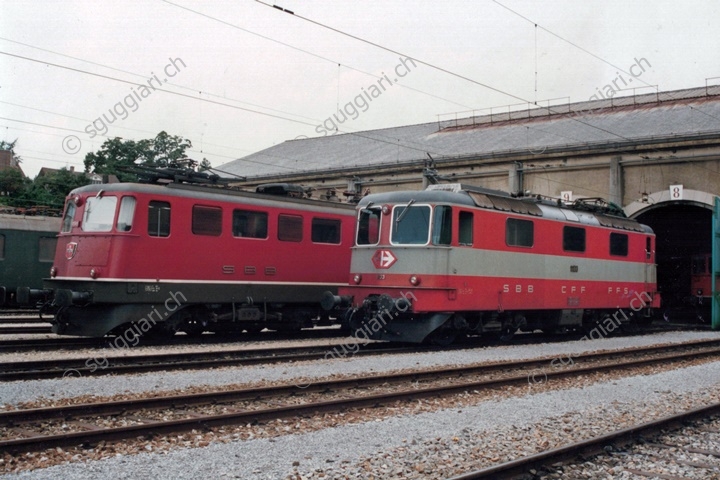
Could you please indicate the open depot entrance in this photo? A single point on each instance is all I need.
(683, 229)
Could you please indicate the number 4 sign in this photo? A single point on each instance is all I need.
(676, 192)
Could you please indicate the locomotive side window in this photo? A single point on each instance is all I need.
(465, 236)
(368, 232)
(573, 239)
(325, 230)
(618, 244)
(206, 220)
(99, 214)
(46, 249)
(126, 214)
(248, 224)
(442, 225)
(410, 225)
(519, 233)
(159, 219)
(68, 218)
(290, 228)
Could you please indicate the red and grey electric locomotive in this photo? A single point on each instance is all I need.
(454, 259)
(192, 258)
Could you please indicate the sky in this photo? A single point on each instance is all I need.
(237, 77)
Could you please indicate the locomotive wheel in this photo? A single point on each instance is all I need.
(442, 338)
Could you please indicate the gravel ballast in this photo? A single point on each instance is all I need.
(13, 393)
(418, 444)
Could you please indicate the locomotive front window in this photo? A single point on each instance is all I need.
(99, 214)
(411, 225)
(368, 231)
(127, 212)
(442, 225)
(68, 218)
(159, 219)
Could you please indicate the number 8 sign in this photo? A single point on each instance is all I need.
(676, 192)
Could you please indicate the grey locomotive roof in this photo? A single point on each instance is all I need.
(650, 117)
(478, 197)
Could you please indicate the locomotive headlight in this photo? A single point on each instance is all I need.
(699, 292)
(357, 278)
(78, 200)
(415, 280)
(385, 210)
(93, 273)
(53, 272)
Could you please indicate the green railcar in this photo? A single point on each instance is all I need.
(27, 251)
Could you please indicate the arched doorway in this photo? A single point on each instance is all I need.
(684, 234)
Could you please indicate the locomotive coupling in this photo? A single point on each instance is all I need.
(29, 296)
(330, 301)
(67, 298)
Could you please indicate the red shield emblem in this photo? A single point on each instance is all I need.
(70, 250)
(384, 259)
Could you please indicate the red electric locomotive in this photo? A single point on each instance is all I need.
(182, 257)
(454, 259)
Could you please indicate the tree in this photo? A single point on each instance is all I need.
(10, 147)
(12, 182)
(51, 189)
(117, 154)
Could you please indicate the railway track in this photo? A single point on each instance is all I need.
(25, 330)
(37, 429)
(44, 369)
(615, 443)
(73, 343)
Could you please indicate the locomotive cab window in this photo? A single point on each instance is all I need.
(206, 220)
(325, 230)
(68, 218)
(410, 225)
(99, 214)
(368, 228)
(519, 233)
(619, 244)
(573, 239)
(248, 224)
(442, 225)
(159, 219)
(465, 233)
(126, 214)
(290, 228)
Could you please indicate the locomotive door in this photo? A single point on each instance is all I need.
(715, 262)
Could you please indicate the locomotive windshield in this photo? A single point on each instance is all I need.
(411, 225)
(99, 214)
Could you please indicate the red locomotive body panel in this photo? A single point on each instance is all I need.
(473, 261)
(250, 257)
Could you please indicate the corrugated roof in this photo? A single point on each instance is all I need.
(618, 120)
